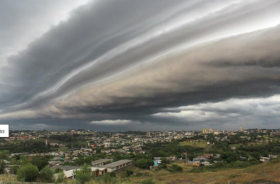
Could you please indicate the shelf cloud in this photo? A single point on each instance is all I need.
(146, 64)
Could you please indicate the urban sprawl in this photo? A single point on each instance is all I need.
(113, 152)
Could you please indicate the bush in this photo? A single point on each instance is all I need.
(139, 174)
(39, 161)
(13, 169)
(165, 161)
(128, 172)
(255, 155)
(28, 173)
(144, 163)
(84, 174)
(4, 155)
(46, 174)
(176, 168)
(107, 179)
(57, 170)
(148, 181)
(112, 174)
(162, 166)
(59, 178)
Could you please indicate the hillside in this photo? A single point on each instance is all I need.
(266, 173)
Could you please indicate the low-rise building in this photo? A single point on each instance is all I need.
(193, 163)
(70, 174)
(100, 162)
(264, 159)
(118, 166)
(205, 163)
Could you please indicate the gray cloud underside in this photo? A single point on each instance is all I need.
(94, 65)
(224, 69)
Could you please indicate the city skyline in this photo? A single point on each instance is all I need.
(121, 65)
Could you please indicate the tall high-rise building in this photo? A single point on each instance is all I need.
(204, 131)
(211, 130)
(241, 129)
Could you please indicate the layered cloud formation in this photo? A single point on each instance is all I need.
(130, 65)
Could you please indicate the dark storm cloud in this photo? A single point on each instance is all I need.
(125, 62)
(47, 67)
(22, 22)
(92, 32)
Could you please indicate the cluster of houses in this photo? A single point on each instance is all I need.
(98, 167)
(267, 159)
(202, 159)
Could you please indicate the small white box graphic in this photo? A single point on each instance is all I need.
(4, 130)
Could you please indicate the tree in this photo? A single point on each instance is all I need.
(144, 163)
(98, 150)
(28, 173)
(40, 162)
(84, 174)
(46, 174)
(23, 160)
(4, 155)
(58, 170)
(255, 155)
(83, 160)
(229, 157)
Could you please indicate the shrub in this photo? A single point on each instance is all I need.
(162, 166)
(112, 174)
(28, 173)
(128, 172)
(59, 178)
(84, 175)
(107, 179)
(57, 170)
(39, 161)
(148, 181)
(46, 174)
(165, 161)
(176, 168)
(144, 163)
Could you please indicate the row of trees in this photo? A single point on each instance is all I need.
(34, 146)
(30, 173)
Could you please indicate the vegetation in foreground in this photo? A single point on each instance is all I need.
(261, 173)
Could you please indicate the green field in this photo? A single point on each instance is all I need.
(201, 144)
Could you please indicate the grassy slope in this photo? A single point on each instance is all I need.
(267, 173)
(201, 144)
(263, 173)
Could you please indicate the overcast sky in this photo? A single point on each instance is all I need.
(117, 65)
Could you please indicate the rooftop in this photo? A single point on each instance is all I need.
(100, 161)
(115, 164)
(67, 167)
